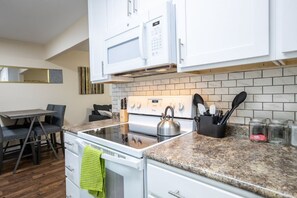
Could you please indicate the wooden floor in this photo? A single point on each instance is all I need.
(45, 180)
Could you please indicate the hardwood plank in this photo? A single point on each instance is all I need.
(30, 181)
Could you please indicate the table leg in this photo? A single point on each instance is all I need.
(24, 145)
(47, 139)
(35, 162)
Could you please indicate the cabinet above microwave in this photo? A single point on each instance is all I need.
(149, 43)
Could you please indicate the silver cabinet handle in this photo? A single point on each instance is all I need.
(102, 65)
(69, 167)
(180, 45)
(129, 7)
(175, 194)
(69, 143)
(135, 6)
(68, 196)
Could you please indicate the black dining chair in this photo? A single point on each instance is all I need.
(52, 124)
(11, 133)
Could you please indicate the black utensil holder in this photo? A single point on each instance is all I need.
(208, 126)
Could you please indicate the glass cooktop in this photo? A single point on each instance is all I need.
(131, 135)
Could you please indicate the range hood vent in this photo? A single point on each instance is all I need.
(150, 71)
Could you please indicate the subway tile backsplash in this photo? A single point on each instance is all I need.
(272, 93)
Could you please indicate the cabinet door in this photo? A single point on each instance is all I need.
(217, 31)
(122, 15)
(167, 184)
(145, 6)
(286, 29)
(72, 169)
(117, 13)
(70, 143)
(72, 191)
(97, 29)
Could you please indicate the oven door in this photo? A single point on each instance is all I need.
(126, 51)
(124, 174)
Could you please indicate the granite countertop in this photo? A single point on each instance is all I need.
(90, 125)
(265, 169)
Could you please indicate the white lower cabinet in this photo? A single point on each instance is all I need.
(169, 182)
(70, 143)
(72, 168)
(71, 190)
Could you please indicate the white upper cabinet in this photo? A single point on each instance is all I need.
(286, 29)
(96, 35)
(215, 33)
(97, 32)
(121, 15)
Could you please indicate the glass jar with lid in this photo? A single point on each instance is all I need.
(278, 132)
(258, 130)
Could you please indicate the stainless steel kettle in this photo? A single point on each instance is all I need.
(167, 126)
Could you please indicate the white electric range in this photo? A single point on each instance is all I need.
(123, 145)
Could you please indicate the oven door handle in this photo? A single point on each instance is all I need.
(133, 164)
(137, 163)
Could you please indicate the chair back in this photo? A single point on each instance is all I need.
(1, 134)
(48, 118)
(58, 117)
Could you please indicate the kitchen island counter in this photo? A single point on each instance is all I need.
(90, 125)
(265, 169)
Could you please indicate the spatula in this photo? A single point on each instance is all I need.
(239, 98)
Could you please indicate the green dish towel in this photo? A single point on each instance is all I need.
(92, 177)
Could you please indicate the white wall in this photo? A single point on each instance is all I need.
(75, 34)
(16, 96)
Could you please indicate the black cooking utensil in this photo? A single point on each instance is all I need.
(125, 103)
(223, 118)
(239, 98)
(197, 99)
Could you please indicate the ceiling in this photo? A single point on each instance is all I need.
(38, 21)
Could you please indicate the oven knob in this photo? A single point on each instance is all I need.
(173, 106)
(138, 106)
(139, 141)
(180, 106)
(132, 106)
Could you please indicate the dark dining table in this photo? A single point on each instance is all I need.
(33, 115)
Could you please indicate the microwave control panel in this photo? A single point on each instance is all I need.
(156, 37)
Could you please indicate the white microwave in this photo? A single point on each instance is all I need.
(152, 43)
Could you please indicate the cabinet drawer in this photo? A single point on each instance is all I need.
(72, 191)
(167, 184)
(72, 170)
(70, 143)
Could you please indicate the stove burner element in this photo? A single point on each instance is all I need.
(122, 134)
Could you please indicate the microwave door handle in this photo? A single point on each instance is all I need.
(142, 41)
(137, 165)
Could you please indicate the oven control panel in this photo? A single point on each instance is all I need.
(155, 105)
